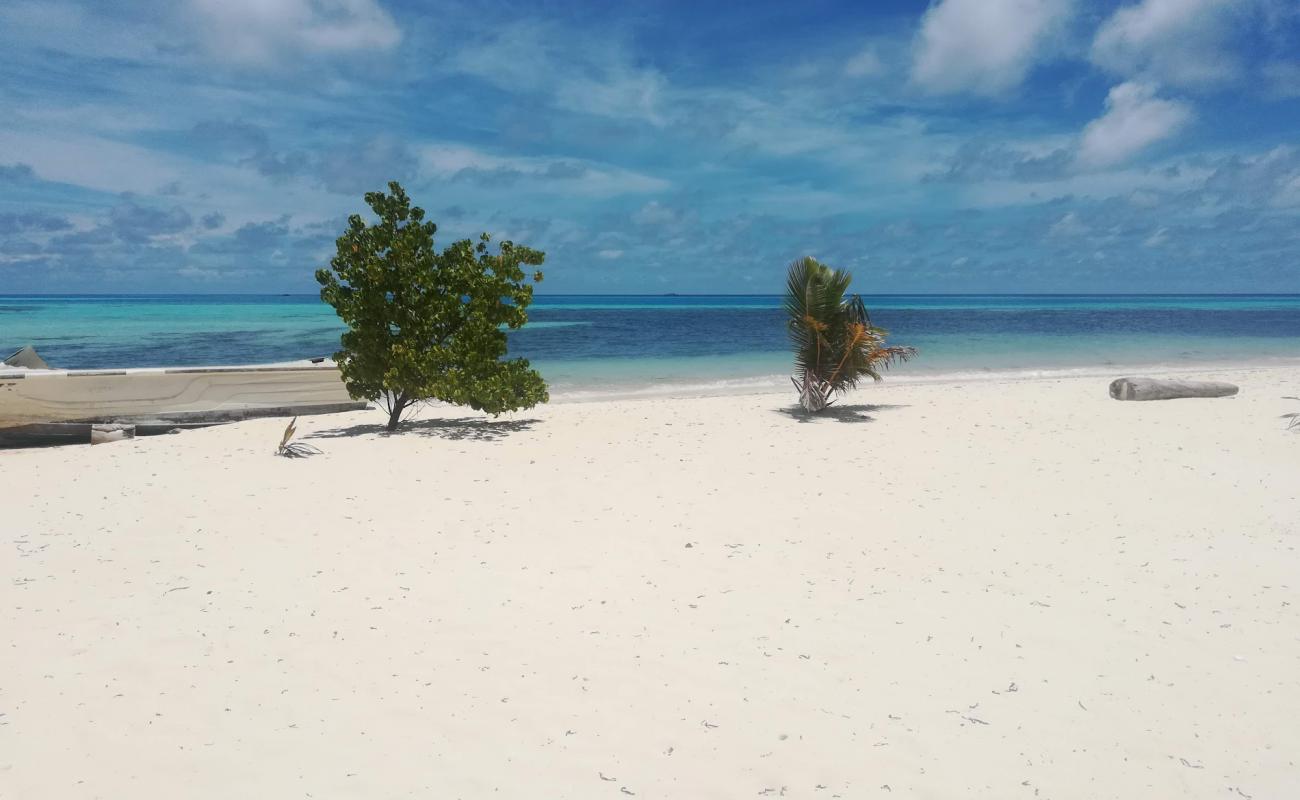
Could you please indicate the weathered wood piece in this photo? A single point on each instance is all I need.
(1157, 389)
(103, 434)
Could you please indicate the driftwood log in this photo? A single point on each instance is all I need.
(1156, 389)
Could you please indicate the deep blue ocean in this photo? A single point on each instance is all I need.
(589, 342)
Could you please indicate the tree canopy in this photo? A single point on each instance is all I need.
(428, 325)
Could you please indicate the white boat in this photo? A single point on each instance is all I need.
(52, 405)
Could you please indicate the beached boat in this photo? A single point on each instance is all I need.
(40, 406)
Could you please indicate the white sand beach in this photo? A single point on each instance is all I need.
(989, 589)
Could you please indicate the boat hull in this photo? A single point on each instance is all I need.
(184, 397)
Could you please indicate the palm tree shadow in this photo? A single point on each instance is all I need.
(860, 412)
(460, 429)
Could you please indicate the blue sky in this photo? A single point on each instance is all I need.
(954, 146)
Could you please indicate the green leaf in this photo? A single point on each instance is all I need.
(428, 325)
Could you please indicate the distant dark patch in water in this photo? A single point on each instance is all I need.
(17, 309)
(191, 350)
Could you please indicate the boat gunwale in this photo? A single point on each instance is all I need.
(93, 373)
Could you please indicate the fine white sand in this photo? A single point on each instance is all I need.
(994, 590)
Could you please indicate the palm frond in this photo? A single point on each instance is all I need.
(835, 344)
(290, 449)
(289, 431)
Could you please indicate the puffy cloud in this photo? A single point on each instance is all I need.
(1134, 120)
(565, 169)
(82, 241)
(279, 166)
(496, 177)
(471, 165)
(1156, 239)
(656, 213)
(132, 222)
(1283, 78)
(1262, 180)
(231, 138)
(15, 249)
(250, 146)
(245, 33)
(16, 173)
(32, 221)
(263, 32)
(249, 238)
(1068, 225)
(351, 167)
(976, 160)
(1176, 42)
(984, 46)
(865, 63)
(365, 165)
(586, 74)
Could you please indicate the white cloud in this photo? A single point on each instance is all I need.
(1068, 225)
(620, 94)
(1135, 119)
(590, 74)
(1283, 78)
(1176, 42)
(865, 64)
(70, 28)
(206, 275)
(984, 46)
(1289, 193)
(1271, 178)
(580, 177)
(655, 213)
(610, 254)
(249, 32)
(259, 32)
(1158, 238)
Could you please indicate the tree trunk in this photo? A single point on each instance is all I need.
(396, 406)
(814, 395)
(1154, 389)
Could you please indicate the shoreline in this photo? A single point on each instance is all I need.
(743, 385)
(777, 383)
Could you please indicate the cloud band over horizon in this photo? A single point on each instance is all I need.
(967, 145)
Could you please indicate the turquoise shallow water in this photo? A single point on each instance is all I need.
(631, 343)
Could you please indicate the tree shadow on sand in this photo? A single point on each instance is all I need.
(860, 412)
(460, 429)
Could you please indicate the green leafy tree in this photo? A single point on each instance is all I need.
(424, 325)
(835, 344)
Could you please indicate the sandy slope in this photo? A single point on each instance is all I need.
(981, 590)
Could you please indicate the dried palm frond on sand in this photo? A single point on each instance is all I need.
(290, 449)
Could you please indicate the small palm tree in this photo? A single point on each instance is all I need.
(835, 344)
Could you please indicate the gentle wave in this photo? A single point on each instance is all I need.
(780, 383)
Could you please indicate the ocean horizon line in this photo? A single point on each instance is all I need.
(680, 294)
